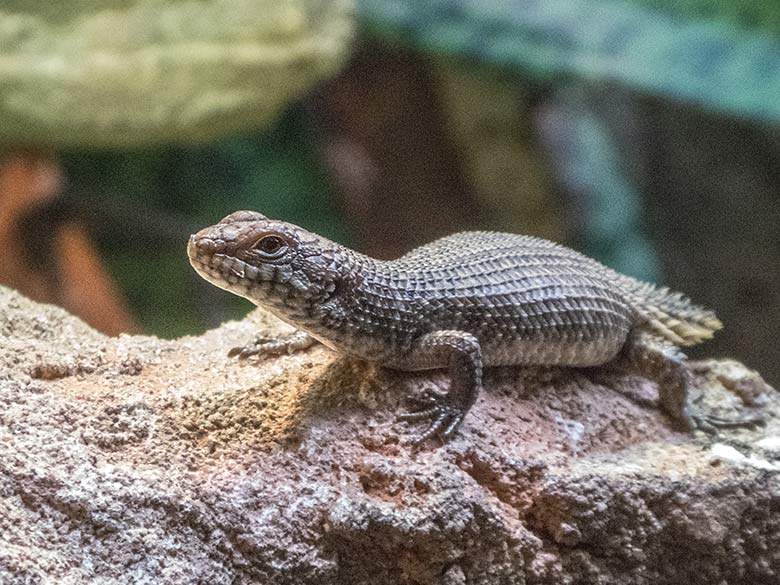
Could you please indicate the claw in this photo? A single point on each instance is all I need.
(433, 430)
(453, 426)
(703, 424)
(243, 352)
(445, 419)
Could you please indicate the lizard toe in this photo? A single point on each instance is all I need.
(439, 422)
(418, 415)
(445, 420)
(710, 424)
(242, 352)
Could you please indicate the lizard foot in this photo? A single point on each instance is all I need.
(710, 424)
(446, 410)
(432, 405)
(268, 346)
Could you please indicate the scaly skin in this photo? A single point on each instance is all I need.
(463, 302)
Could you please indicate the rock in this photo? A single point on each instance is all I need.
(134, 72)
(139, 460)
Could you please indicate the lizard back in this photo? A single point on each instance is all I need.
(527, 300)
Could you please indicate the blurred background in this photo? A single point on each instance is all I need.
(641, 132)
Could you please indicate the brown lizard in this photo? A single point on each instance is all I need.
(463, 302)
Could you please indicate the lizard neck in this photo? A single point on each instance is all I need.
(369, 312)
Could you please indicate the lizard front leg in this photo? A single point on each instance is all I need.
(269, 346)
(459, 352)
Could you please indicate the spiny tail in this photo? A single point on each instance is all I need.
(671, 314)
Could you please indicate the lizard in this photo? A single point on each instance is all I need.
(462, 303)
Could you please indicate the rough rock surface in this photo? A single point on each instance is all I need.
(136, 460)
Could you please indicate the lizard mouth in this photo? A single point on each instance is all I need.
(220, 269)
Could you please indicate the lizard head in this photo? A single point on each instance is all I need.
(272, 263)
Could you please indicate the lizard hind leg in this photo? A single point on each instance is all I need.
(664, 363)
(461, 353)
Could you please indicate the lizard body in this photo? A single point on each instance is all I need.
(463, 302)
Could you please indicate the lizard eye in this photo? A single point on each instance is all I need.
(270, 246)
